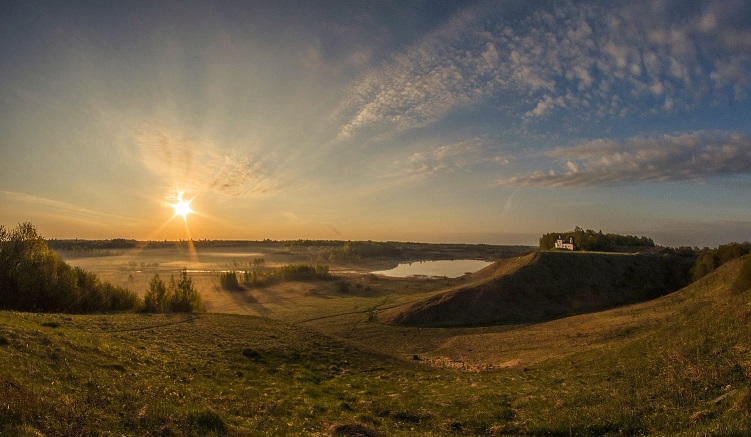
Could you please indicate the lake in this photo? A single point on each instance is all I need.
(449, 268)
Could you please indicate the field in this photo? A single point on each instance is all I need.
(290, 301)
(316, 358)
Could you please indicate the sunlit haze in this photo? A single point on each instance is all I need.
(475, 122)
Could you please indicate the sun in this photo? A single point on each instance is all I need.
(182, 207)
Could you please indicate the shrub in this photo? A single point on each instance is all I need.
(743, 281)
(228, 281)
(303, 272)
(254, 277)
(292, 272)
(180, 296)
(207, 422)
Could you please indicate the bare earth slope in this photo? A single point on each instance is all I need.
(544, 286)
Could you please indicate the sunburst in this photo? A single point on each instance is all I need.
(182, 207)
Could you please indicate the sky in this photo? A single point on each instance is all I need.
(457, 122)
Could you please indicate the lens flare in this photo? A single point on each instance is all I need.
(182, 207)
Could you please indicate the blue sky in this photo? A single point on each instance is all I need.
(488, 122)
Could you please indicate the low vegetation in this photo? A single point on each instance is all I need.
(228, 281)
(743, 281)
(180, 296)
(292, 272)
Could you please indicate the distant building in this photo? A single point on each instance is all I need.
(561, 244)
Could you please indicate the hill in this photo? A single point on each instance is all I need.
(546, 285)
(676, 365)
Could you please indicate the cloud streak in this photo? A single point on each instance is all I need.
(63, 210)
(197, 167)
(448, 158)
(685, 157)
(590, 59)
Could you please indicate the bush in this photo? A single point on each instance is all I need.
(179, 297)
(743, 281)
(34, 278)
(293, 272)
(228, 281)
(302, 272)
(207, 422)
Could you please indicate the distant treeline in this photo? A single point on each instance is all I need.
(594, 241)
(356, 250)
(91, 245)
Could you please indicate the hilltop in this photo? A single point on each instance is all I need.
(546, 285)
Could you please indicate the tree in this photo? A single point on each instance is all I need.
(34, 278)
(183, 296)
(228, 281)
(156, 298)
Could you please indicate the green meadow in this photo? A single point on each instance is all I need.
(321, 357)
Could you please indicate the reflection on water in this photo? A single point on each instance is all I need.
(449, 268)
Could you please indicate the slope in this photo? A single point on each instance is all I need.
(547, 285)
(677, 365)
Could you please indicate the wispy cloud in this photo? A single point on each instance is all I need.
(62, 210)
(447, 158)
(692, 156)
(198, 167)
(591, 59)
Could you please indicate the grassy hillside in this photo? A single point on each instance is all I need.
(677, 365)
(547, 285)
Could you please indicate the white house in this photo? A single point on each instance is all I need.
(561, 244)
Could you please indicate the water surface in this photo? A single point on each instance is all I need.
(448, 268)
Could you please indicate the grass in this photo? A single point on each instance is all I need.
(152, 373)
(677, 365)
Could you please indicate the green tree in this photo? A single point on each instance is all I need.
(228, 281)
(156, 298)
(710, 259)
(183, 296)
(34, 278)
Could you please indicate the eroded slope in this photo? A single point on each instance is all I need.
(547, 285)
